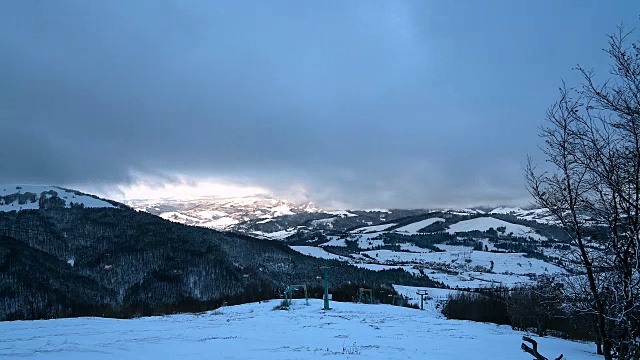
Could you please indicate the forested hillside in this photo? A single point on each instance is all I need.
(122, 263)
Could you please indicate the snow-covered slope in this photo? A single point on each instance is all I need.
(538, 215)
(30, 197)
(486, 223)
(370, 229)
(318, 252)
(256, 331)
(414, 227)
(436, 243)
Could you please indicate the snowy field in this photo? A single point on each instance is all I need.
(255, 331)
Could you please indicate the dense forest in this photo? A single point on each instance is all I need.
(123, 263)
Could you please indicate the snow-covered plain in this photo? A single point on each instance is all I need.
(255, 331)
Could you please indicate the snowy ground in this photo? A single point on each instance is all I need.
(255, 331)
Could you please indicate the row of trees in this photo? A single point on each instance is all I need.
(538, 308)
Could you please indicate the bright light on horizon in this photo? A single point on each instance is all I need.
(185, 189)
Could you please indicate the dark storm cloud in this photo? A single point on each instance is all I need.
(369, 103)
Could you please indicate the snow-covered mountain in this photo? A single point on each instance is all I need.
(30, 197)
(222, 213)
(466, 248)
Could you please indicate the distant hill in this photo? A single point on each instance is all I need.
(463, 248)
(222, 213)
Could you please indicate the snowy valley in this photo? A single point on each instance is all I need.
(462, 248)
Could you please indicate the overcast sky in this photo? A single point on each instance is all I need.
(346, 103)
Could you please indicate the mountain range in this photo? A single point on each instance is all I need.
(66, 253)
(462, 248)
(221, 213)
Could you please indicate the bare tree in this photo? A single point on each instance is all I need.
(534, 305)
(592, 141)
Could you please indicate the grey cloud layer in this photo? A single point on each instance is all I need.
(367, 103)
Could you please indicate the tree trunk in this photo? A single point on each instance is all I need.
(534, 349)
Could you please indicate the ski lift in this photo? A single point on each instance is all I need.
(362, 291)
(288, 294)
(423, 294)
